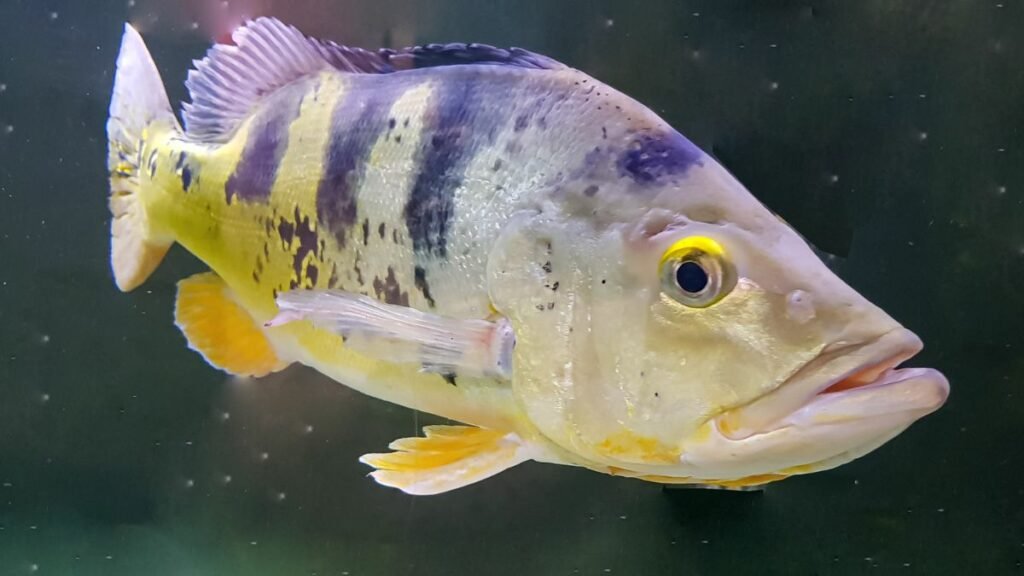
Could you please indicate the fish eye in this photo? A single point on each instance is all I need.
(695, 272)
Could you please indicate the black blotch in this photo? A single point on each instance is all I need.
(522, 122)
(590, 190)
(308, 242)
(420, 281)
(551, 305)
(497, 165)
(287, 232)
(366, 231)
(547, 267)
(382, 230)
(554, 287)
(186, 178)
(604, 133)
(266, 246)
(391, 123)
(405, 123)
(540, 307)
(332, 282)
(313, 273)
(449, 377)
(398, 138)
(389, 290)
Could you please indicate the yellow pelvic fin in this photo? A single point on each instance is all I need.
(220, 329)
(449, 457)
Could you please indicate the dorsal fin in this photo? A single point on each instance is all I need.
(268, 54)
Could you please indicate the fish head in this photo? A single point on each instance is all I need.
(699, 338)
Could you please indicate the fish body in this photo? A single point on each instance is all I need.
(496, 238)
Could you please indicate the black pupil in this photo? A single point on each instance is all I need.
(691, 277)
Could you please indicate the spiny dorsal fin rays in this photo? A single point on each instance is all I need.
(268, 54)
(449, 457)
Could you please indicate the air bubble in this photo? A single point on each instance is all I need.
(3, 88)
(264, 456)
(33, 568)
(308, 429)
(922, 136)
(280, 496)
(44, 397)
(226, 479)
(54, 15)
(609, 23)
(773, 86)
(1001, 190)
(8, 129)
(194, 26)
(189, 483)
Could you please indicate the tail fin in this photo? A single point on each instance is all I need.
(139, 102)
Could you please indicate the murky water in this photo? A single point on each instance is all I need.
(891, 134)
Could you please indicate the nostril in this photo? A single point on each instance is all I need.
(799, 306)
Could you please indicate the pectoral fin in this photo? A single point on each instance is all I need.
(449, 457)
(221, 330)
(404, 335)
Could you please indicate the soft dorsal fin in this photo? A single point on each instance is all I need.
(268, 54)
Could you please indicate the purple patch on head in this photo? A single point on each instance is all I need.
(653, 156)
(265, 147)
(358, 121)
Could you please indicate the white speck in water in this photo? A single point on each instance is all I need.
(131, 3)
(941, 510)
(906, 564)
(1001, 190)
(9, 129)
(264, 456)
(704, 541)
(280, 496)
(922, 136)
(856, 482)
(194, 26)
(189, 483)
(1000, 149)
(609, 23)
(308, 429)
(109, 557)
(253, 543)
(773, 45)
(54, 15)
(44, 339)
(696, 14)
(3, 88)
(922, 96)
(833, 178)
(44, 397)
(225, 416)
(623, 517)
(33, 568)
(224, 4)
(773, 86)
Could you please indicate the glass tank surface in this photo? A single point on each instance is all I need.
(888, 135)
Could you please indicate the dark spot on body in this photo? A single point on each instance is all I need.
(522, 122)
(398, 138)
(394, 235)
(186, 177)
(590, 191)
(382, 230)
(554, 287)
(604, 133)
(366, 231)
(420, 281)
(497, 165)
(389, 290)
(391, 124)
(307, 240)
(287, 231)
(540, 307)
(265, 146)
(332, 282)
(358, 270)
(449, 377)
(651, 157)
(547, 267)
(551, 305)
(313, 273)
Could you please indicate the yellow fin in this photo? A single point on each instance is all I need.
(220, 329)
(449, 457)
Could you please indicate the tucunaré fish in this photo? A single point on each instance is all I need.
(494, 237)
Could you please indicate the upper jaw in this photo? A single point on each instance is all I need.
(838, 368)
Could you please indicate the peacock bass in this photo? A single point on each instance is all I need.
(499, 239)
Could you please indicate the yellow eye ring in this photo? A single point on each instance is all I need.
(696, 272)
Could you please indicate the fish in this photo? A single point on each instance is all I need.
(497, 238)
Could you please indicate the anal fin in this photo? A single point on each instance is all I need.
(221, 330)
(448, 457)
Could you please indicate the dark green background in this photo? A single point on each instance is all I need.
(889, 132)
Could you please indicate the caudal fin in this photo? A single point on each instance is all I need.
(139, 105)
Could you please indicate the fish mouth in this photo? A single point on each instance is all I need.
(846, 402)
